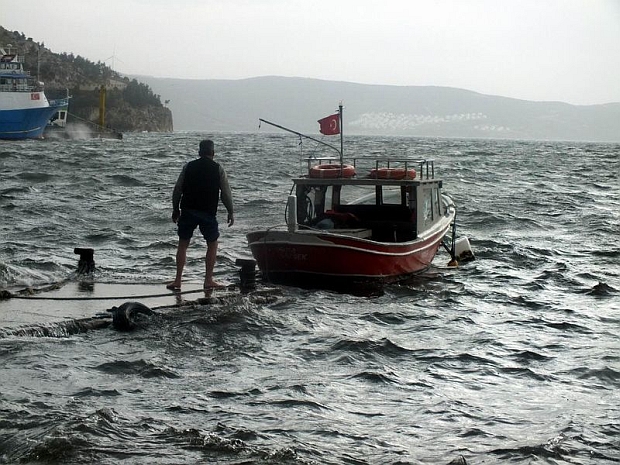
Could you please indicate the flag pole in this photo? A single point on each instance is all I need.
(341, 136)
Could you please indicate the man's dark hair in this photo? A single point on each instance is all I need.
(206, 148)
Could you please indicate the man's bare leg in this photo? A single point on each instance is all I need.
(180, 260)
(210, 259)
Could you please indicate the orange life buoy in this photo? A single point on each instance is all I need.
(392, 173)
(332, 171)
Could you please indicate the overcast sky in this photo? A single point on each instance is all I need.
(566, 50)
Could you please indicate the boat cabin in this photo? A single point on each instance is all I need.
(13, 78)
(381, 200)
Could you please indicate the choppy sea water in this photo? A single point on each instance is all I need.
(513, 358)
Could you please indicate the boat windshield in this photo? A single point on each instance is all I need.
(366, 195)
(353, 194)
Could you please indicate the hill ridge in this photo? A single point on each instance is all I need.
(374, 109)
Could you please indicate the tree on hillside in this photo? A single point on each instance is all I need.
(140, 95)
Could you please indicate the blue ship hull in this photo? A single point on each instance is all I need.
(25, 123)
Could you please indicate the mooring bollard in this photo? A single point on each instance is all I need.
(247, 273)
(86, 265)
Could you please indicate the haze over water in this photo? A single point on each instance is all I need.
(513, 358)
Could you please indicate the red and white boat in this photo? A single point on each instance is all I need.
(373, 221)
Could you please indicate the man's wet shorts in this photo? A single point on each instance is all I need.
(191, 218)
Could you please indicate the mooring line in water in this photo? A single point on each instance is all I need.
(9, 295)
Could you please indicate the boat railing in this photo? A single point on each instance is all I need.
(11, 57)
(425, 169)
(19, 87)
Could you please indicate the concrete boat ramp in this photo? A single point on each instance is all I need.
(76, 306)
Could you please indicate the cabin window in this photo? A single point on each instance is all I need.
(333, 199)
(319, 200)
(329, 197)
(305, 205)
(311, 203)
(427, 205)
(393, 196)
(411, 198)
(359, 194)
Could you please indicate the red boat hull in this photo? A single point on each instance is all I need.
(303, 255)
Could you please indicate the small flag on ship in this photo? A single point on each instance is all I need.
(330, 125)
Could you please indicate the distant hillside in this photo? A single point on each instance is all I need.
(236, 105)
(130, 105)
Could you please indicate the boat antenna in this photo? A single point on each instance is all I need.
(301, 135)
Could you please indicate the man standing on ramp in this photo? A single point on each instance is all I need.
(195, 198)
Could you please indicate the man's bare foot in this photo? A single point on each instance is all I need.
(211, 284)
(174, 286)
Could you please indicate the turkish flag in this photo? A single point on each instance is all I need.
(330, 125)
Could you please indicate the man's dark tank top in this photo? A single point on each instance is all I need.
(201, 186)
